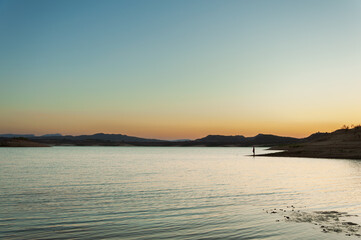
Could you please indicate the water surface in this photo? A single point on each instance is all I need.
(168, 193)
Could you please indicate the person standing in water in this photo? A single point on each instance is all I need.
(254, 151)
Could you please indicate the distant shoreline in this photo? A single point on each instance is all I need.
(19, 142)
(311, 155)
(340, 144)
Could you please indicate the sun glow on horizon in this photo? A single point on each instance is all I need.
(179, 70)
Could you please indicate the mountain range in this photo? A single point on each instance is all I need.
(343, 143)
(102, 139)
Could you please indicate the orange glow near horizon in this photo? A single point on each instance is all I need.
(79, 124)
(180, 69)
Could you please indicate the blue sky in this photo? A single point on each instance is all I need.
(174, 69)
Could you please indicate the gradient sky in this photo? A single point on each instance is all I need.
(179, 69)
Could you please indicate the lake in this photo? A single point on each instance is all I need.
(171, 193)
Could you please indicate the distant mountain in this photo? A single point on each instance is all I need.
(271, 139)
(17, 135)
(52, 135)
(99, 136)
(260, 139)
(102, 139)
(221, 139)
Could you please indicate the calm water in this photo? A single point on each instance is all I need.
(167, 193)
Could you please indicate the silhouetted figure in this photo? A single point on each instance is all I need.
(254, 151)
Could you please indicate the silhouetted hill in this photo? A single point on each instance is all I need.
(238, 140)
(316, 136)
(99, 136)
(52, 135)
(102, 139)
(17, 135)
(272, 139)
(342, 143)
(221, 139)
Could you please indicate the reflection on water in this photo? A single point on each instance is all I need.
(168, 193)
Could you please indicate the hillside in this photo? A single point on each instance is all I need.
(342, 143)
(239, 140)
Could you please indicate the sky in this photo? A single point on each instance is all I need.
(179, 69)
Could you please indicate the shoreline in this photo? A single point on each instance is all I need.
(295, 155)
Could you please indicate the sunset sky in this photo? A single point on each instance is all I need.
(179, 69)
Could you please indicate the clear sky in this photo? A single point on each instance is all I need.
(179, 69)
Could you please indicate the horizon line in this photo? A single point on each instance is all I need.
(155, 138)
